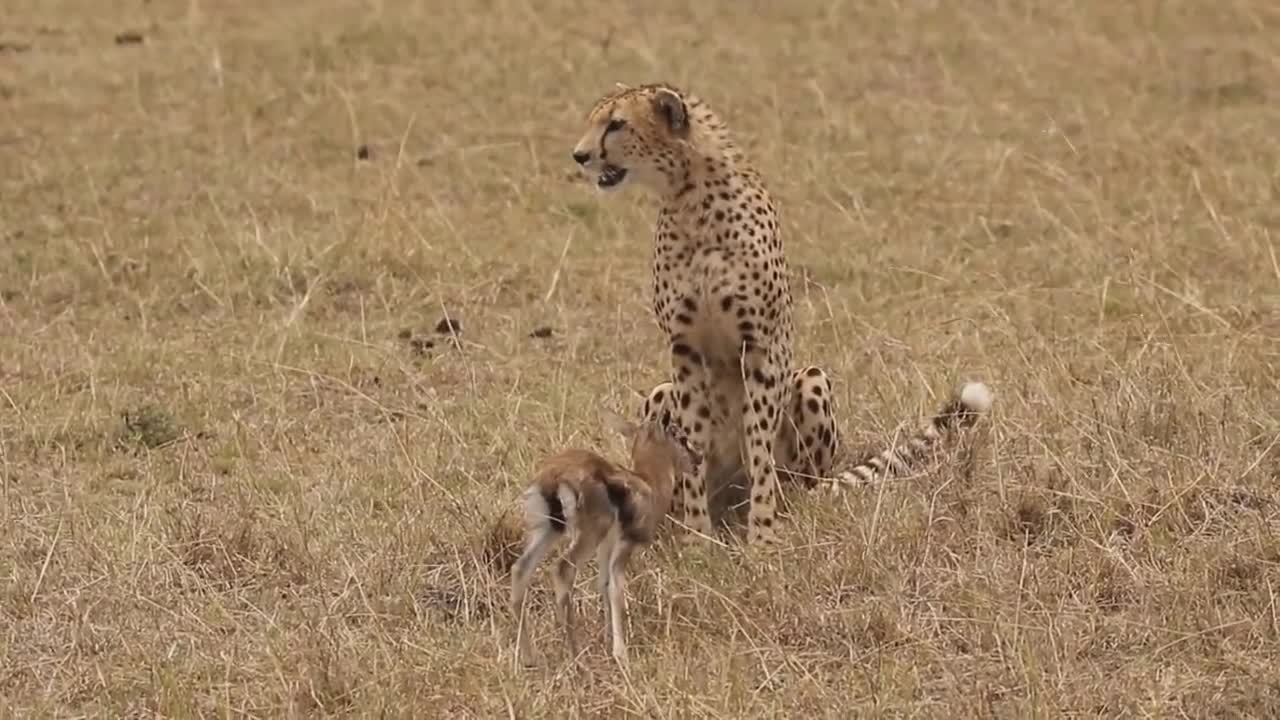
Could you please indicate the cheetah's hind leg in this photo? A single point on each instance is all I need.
(807, 438)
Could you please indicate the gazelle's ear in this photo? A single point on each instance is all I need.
(618, 424)
(686, 460)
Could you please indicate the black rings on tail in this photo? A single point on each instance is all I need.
(962, 411)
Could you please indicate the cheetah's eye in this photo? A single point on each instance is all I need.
(615, 124)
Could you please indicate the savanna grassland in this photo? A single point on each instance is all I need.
(247, 468)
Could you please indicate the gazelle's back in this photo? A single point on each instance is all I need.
(602, 491)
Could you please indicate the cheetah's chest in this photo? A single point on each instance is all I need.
(721, 287)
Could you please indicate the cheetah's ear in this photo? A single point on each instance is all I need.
(618, 424)
(670, 107)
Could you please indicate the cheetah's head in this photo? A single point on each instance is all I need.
(635, 134)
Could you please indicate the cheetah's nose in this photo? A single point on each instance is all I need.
(581, 156)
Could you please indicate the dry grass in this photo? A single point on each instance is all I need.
(243, 474)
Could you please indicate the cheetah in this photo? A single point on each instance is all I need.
(721, 294)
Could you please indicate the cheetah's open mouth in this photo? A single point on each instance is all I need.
(610, 176)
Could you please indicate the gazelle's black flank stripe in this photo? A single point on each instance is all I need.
(555, 511)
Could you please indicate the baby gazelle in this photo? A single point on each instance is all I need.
(608, 509)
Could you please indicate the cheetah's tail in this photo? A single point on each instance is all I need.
(962, 411)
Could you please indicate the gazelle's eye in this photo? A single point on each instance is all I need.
(615, 124)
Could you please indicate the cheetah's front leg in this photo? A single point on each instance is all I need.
(689, 398)
(762, 408)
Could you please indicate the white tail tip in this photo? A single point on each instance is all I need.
(977, 397)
